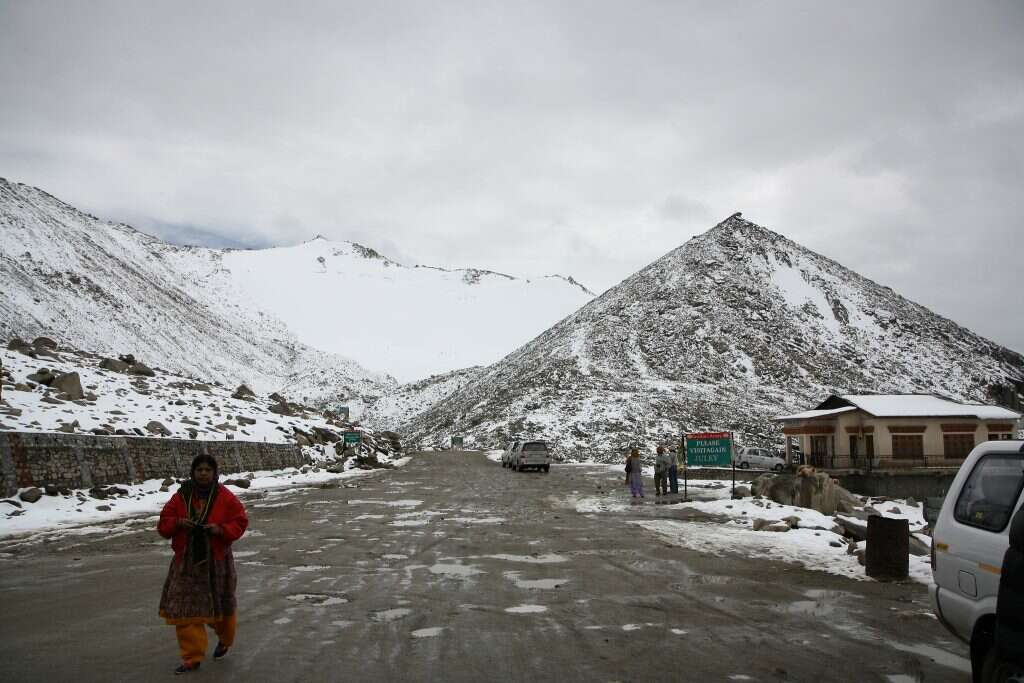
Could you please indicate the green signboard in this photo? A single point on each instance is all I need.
(456, 442)
(352, 438)
(709, 449)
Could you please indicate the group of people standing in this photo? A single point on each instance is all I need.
(666, 473)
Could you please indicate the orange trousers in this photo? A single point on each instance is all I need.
(192, 637)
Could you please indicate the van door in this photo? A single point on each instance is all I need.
(973, 543)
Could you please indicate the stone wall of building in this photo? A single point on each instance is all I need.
(84, 460)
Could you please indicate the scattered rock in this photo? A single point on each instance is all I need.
(793, 521)
(759, 524)
(11, 501)
(741, 492)
(127, 359)
(854, 528)
(167, 482)
(243, 420)
(103, 508)
(155, 427)
(51, 490)
(100, 431)
(240, 483)
(51, 400)
(282, 409)
(277, 398)
(69, 428)
(31, 495)
(911, 501)
(778, 526)
(835, 544)
(42, 376)
(895, 510)
(244, 393)
(919, 547)
(164, 489)
(115, 365)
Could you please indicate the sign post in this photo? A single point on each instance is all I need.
(352, 439)
(710, 449)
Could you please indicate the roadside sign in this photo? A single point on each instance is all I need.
(709, 449)
(352, 438)
(456, 442)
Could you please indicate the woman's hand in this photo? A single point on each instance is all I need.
(185, 523)
(215, 529)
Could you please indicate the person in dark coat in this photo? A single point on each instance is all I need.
(1010, 604)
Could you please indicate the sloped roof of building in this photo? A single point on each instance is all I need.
(904, 405)
(811, 414)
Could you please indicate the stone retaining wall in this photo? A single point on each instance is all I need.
(84, 460)
(920, 484)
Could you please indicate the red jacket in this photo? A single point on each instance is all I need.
(227, 513)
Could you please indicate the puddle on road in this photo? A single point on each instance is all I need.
(526, 609)
(428, 632)
(541, 584)
(309, 568)
(318, 599)
(455, 570)
(389, 615)
(940, 657)
(550, 558)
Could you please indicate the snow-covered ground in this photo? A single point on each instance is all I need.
(126, 402)
(79, 514)
(814, 543)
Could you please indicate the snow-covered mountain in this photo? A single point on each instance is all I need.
(306, 320)
(736, 326)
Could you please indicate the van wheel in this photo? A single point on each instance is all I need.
(995, 670)
(744, 465)
(777, 468)
(547, 468)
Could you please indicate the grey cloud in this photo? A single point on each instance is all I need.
(580, 138)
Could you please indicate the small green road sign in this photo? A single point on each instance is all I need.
(709, 449)
(352, 438)
(456, 442)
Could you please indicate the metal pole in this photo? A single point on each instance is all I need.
(732, 459)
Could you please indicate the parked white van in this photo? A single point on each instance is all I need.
(533, 454)
(971, 536)
(759, 459)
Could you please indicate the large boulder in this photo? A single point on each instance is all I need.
(141, 369)
(31, 495)
(40, 343)
(326, 435)
(69, 383)
(821, 492)
(115, 365)
(281, 409)
(778, 488)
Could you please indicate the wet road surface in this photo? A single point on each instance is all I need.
(454, 569)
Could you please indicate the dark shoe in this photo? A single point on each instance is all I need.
(187, 668)
(220, 652)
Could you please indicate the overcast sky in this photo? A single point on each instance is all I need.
(583, 138)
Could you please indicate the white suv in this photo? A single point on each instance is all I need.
(759, 459)
(970, 538)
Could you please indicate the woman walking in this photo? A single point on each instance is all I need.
(202, 520)
(636, 473)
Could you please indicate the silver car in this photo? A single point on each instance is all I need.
(535, 454)
(759, 459)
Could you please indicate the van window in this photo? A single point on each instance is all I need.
(991, 492)
(535, 446)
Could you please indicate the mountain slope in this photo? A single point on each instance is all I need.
(734, 327)
(114, 289)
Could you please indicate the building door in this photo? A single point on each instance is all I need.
(819, 450)
(854, 449)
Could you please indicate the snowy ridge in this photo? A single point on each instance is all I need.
(307, 320)
(734, 327)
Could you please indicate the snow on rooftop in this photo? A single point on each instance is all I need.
(925, 405)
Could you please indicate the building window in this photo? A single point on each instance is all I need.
(998, 436)
(907, 446)
(990, 494)
(957, 445)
